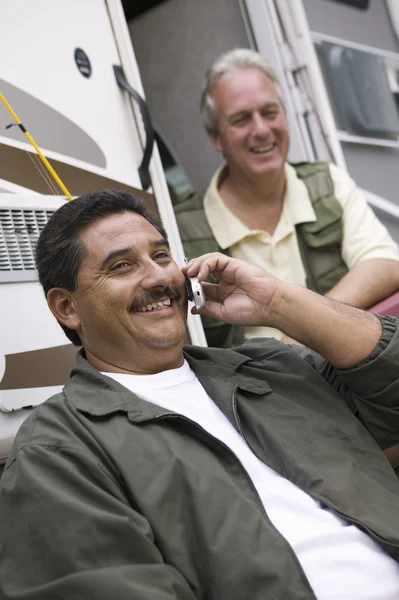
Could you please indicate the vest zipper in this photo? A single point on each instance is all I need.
(352, 520)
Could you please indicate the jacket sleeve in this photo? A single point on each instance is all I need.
(67, 531)
(371, 388)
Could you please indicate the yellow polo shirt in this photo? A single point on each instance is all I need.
(364, 235)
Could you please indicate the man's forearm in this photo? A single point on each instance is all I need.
(367, 283)
(248, 295)
(342, 334)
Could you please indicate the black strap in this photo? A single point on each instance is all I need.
(144, 172)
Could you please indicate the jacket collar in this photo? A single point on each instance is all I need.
(95, 394)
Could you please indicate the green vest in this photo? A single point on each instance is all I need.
(320, 242)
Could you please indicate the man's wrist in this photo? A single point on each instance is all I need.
(342, 334)
(276, 315)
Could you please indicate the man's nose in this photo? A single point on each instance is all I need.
(260, 125)
(156, 275)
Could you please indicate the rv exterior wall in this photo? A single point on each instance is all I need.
(77, 117)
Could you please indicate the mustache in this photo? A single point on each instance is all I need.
(155, 296)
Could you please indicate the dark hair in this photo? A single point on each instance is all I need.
(60, 251)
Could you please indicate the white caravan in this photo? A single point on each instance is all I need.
(73, 72)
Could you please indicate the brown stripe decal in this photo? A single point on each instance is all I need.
(38, 368)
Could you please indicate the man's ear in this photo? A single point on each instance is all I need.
(62, 305)
(215, 140)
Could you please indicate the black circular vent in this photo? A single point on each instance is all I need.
(82, 62)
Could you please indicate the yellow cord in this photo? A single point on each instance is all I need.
(36, 147)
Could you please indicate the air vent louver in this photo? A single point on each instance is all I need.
(19, 232)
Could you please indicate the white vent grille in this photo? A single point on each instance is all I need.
(19, 232)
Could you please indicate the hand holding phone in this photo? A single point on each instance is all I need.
(195, 291)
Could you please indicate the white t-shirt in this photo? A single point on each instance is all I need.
(340, 561)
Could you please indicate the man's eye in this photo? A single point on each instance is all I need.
(162, 254)
(119, 265)
(271, 114)
(240, 121)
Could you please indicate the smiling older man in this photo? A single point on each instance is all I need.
(165, 473)
(307, 224)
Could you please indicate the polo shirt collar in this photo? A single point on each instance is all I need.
(229, 230)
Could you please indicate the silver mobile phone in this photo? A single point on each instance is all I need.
(195, 291)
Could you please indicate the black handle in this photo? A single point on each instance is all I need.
(149, 131)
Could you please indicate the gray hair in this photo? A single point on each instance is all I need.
(234, 60)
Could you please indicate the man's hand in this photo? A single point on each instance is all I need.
(248, 295)
(245, 294)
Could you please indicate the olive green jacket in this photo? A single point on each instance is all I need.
(109, 497)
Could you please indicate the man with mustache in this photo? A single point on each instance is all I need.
(164, 472)
(307, 224)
